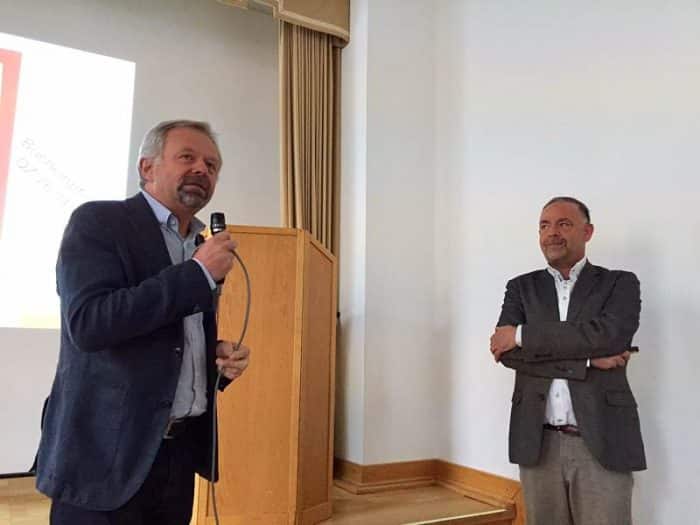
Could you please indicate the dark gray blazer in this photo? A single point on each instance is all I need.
(122, 305)
(602, 318)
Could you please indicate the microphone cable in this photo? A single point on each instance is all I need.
(218, 224)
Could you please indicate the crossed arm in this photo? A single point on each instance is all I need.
(562, 349)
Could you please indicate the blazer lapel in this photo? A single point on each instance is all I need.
(584, 284)
(149, 239)
(547, 295)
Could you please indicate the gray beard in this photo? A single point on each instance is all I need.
(192, 200)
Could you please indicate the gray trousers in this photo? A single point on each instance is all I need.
(569, 487)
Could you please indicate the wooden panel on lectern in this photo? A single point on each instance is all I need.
(254, 412)
(276, 421)
(317, 386)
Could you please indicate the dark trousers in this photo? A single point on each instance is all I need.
(165, 498)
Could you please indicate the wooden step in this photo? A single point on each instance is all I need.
(428, 505)
(414, 506)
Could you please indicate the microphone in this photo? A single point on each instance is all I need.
(217, 223)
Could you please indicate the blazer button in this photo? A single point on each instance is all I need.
(166, 404)
(541, 396)
(178, 350)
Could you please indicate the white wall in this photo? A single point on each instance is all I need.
(350, 351)
(402, 372)
(599, 102)
(529, 100)
(389, 373)
(194, 59)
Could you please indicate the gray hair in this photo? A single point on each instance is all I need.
(571, 200)
(154, 140)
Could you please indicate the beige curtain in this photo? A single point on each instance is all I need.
(309, 127)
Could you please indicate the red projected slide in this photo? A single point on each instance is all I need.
(9, 80)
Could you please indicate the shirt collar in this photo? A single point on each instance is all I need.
(166, 218)
(573, 274)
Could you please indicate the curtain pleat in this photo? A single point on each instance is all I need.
(309, 110)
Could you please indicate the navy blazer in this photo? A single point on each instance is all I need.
(602, 319)
(122, 306)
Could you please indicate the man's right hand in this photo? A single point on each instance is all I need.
(216, 254)
(614, 361)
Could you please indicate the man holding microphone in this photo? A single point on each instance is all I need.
(129, 418)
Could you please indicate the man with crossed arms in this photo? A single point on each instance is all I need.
(566, 331)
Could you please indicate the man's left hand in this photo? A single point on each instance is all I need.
(502, 341)
(230, 363)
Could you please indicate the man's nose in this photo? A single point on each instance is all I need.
(554, 230)
(200, 167)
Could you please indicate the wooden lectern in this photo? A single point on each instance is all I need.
(276, 421)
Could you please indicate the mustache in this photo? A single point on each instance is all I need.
(553, 242)
(195, 180)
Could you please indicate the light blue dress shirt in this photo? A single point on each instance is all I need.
(191, 394)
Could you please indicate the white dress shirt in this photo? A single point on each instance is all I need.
(559, 409)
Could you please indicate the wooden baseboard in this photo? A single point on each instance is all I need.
(476, 484)
(367, 479)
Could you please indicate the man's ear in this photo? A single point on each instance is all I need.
(588, 230)
(146, 169)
